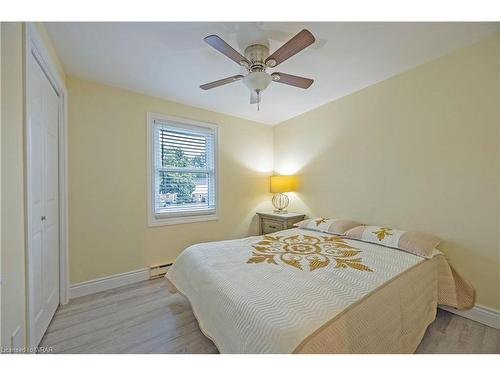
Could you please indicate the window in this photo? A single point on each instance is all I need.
(183, 176)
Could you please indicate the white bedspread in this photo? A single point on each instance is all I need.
(285, 293)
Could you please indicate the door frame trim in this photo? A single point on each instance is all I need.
(35, 46)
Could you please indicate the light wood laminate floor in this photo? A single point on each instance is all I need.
(146, 318)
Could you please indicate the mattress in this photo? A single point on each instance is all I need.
(301, 291)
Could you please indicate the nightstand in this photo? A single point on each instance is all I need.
(270, 222)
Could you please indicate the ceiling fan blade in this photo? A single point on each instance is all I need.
(220, 82)
(288, 79)
(290, 48)
(254, 97)
(220, 45)
(283, 36)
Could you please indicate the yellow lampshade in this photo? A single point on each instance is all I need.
(283, 184)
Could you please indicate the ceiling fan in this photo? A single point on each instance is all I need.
(257, 60)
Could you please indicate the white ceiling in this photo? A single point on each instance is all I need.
(170, 60)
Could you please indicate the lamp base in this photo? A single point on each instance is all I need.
(280, 203)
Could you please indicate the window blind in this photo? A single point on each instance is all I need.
(184, 163)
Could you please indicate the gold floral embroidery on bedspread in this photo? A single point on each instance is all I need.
(382, 233)
(321, 220)
(303, 251)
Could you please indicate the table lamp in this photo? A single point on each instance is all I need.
(280, 185)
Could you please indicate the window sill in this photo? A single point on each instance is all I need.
(158, 221)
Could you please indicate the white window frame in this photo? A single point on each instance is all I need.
(169, 218)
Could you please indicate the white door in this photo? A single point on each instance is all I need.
(44, 202)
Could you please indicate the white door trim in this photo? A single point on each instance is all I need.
(34, 46)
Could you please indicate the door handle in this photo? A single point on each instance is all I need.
(44, 218)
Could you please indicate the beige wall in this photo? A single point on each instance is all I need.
(13, 297)
(0, 184)
(417, 151)
(108, 229)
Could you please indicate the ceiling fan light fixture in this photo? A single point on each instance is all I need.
(257, 81)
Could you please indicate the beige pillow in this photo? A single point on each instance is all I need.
(322, 224)
(417, 243)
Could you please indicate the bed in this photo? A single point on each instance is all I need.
(300, 291)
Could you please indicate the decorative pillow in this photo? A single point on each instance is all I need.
(418, 243)
(322, 224)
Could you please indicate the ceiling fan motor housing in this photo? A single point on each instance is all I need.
(257, 55)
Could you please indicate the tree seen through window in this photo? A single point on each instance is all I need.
(180, 187)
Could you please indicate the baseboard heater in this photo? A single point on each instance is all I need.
(155, 272)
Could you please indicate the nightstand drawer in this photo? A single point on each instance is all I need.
(270, 226)
(270, 222)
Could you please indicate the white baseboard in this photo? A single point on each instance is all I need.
(478, 313)
(109, 282)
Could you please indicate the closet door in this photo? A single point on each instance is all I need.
(44, 184)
